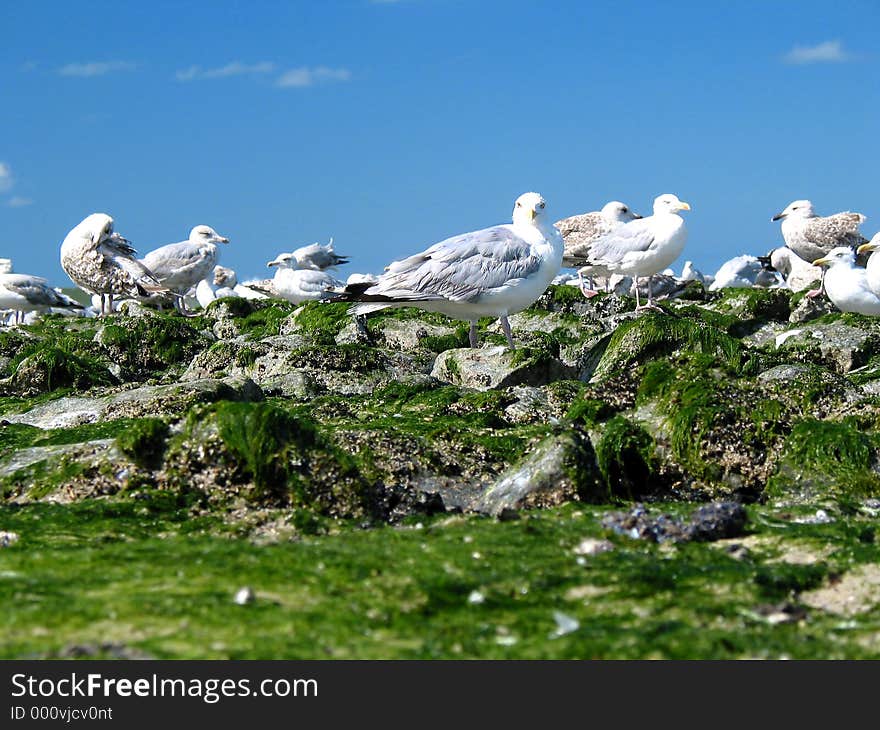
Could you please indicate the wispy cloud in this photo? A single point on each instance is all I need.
(6, 179)
(825, 52)
(95, 68)
(17, 201)
(236, 68)
(298, 78)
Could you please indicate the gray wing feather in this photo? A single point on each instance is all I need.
(461, 268)
(35, 289)
(631, 237)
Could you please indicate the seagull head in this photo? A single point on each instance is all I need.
(871, 245)
(206, 234)
(618, 212)
(840, 256)
(669, 203)
(97, 227)
(284, 261)
(797, 209)
(529, 208)
(224, 277)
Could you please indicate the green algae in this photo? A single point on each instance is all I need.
(626, 459)
(323, 321)
(150, 343)
(149, 576)
(43, 368)
(144, 441)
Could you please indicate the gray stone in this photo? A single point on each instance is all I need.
(840, 346)
(496, 367)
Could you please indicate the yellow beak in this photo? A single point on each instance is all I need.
(532, 214)
(684, 206)
(871, 246)
(819, 262)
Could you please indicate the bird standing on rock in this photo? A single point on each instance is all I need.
(642, 247)
(493, 272)
(100, 261)
(847, 284)
(812, 236)
(181, 266)
(580, 232)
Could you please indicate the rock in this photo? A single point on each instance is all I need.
(593, 546)
(810, 308)
(147, 400)
(8, 539)
(841, 346)
(409, 334)
(714, 521)
(498, 367)
(560, 468)
(245, 595)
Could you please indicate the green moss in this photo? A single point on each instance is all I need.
(590, 411)
(150, 343)
(654, 335)
(441, 343)
(625, 455)
(340, 358)
(144, 441)
(754, 305)
(323, 321)
(43, 368)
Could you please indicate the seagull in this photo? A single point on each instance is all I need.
(872, 271)
(847, 284)
(181, 266)
(740, 272)
(318, 257)
(796, 273)
(579, 232)
(100, 261)
(298, 285)
(493, 272)
(24, 293)
(642, 247)
(811, 236)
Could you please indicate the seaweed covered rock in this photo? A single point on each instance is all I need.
(499, 367)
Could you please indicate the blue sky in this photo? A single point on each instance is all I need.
(390, 125)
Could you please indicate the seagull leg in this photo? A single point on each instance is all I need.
(636, 285)
(813, 293)
(110, 303)
(587, 292)
(505, 326)
(473, 338)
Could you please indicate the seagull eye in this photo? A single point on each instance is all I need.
(540, 205)
(519, 205)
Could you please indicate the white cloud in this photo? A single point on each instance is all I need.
(236, 68)
(6, 179)
(17, 201)
(305, 76)
(95, 68)
(825, 52)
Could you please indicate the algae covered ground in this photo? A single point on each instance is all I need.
(265, 481)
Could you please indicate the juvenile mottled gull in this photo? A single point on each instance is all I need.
(872, 270)
(811, 236)
(847, 284)
(23, 293)
(100, 261)
(580, 232)
(642, 247)
(318, 257)
(181, 266)
(298, 285)
(493, 272)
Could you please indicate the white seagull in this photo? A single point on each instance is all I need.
(24, 293)
(181, 266)
(100, 261)
(580, 232)
(318, 257)
(847, 284)
(872, 270)
(642, 247)
(299, 285)
(493, 272)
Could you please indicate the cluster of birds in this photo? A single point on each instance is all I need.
(493, 272)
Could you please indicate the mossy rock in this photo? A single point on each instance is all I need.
(48, 368)
(144, 442)
(826, 462)
(626, 458)
(276, 458)
(148, 344)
